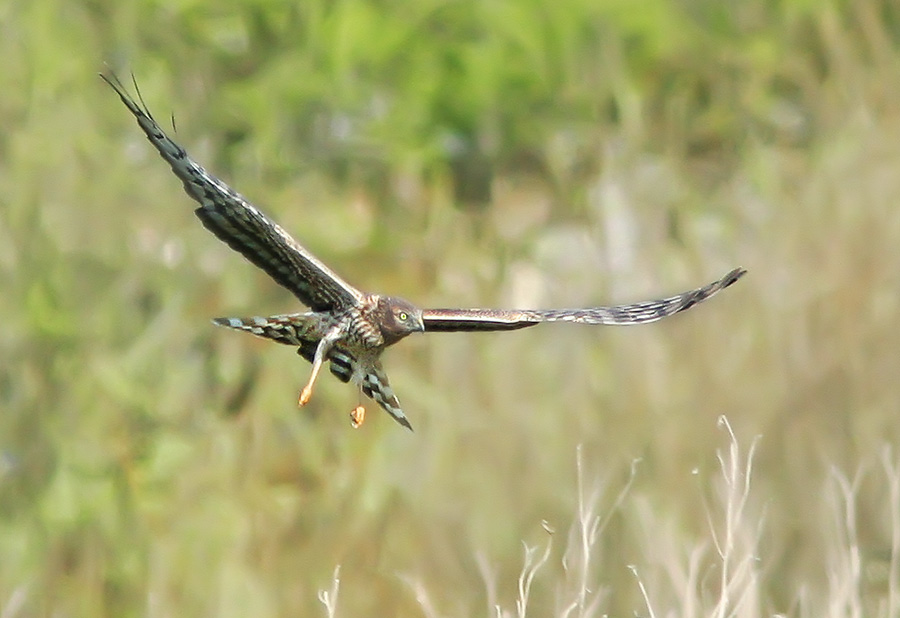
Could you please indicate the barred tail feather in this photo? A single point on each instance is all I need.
(286, 329)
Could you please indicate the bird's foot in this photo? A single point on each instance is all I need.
(357, 416)
(305, 395)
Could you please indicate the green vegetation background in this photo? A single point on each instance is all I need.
(499, 153)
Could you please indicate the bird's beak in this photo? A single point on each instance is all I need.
(421, 326)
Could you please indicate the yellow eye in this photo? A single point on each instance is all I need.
(403, 316)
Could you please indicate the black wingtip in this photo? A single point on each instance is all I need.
(109, 79)
(112, 79)
(733, 276)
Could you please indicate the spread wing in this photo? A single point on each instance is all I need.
(226, 213)
(448, 320)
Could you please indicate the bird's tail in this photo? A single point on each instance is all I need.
(290, 329)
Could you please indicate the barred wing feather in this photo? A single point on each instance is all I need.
(450, 320)
(228, 215)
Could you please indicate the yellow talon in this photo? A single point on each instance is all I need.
(305, 395)
(357, 416)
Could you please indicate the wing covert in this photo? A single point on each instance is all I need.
(455, 320)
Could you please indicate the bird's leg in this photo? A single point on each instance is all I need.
(321, 350)
(306, 393)
(358, 414)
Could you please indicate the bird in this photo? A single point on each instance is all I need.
(347, 328)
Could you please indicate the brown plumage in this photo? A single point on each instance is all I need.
(347, 328)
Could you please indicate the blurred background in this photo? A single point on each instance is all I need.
(508, 153)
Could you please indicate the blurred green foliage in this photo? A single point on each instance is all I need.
(501, 152)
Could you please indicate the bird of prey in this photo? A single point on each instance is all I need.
(347, 328)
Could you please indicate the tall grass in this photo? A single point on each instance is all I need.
(723, 570)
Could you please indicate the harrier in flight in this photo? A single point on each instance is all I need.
(346, 327)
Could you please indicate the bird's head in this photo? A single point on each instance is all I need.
(399, 318)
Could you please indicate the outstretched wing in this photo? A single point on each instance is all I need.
(448, 320)
(226, 213)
